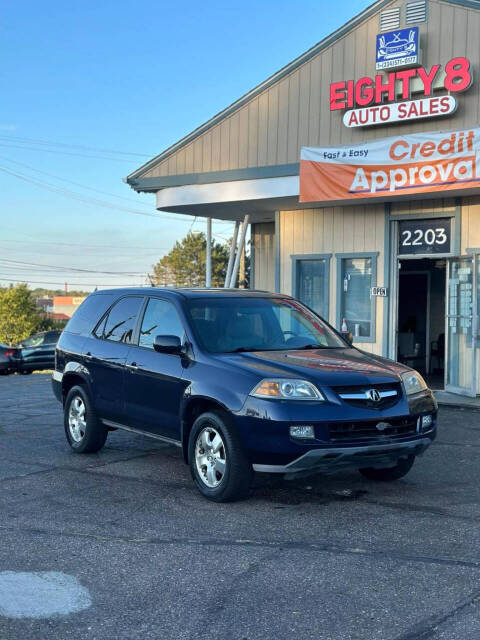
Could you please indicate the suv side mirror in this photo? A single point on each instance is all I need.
(168, 344)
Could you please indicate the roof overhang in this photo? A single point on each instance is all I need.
(233, 199)
(261, 197)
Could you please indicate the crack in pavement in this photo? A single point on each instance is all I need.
(427, 627)
(218, 609)
(467, 445)
(85, 470)
(324, 547)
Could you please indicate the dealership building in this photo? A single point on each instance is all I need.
(356, 167)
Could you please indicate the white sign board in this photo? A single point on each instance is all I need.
(400, 111)
(378, 292)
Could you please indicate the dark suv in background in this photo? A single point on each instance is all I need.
(242, 381)
(36, 352)
(8, 362)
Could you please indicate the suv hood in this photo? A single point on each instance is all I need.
(329, 367)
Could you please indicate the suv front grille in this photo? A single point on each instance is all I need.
(360, 395)
(368, 429)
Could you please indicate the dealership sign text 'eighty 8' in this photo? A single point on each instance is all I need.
(371, 101)
(411, 164)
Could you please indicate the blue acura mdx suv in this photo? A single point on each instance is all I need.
(242, 381)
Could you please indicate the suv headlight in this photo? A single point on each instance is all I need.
(286, 389)
(413, 382)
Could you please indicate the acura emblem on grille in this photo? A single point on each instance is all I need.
(381, 426)
(373, 395)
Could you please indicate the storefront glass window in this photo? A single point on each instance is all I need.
(460, 360)
(356, 303)
(312, 285)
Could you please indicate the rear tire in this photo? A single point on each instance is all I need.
(389, 474)
(84, 432)
(218, 463)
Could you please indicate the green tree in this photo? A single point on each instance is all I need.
(18, 315)
(184, 265)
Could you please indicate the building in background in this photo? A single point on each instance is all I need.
(357, 165)
(45, 304)
(66, 306)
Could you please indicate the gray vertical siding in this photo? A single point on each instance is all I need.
(334, 230)
(263, 247)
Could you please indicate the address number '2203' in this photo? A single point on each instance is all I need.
(424, 236)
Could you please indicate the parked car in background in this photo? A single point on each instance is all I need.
(37, 352)
(8, 363)
(242, 381)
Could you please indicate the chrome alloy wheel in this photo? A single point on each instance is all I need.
(210, 457)
(77, 424)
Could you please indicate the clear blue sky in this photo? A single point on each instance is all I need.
(132, 78)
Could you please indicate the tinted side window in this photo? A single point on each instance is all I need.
(34, 341)
(52, 337)
(121, 320)
(101, 327)
(89, 313)
(161, 318)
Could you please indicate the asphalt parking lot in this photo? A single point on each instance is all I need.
(324, 558)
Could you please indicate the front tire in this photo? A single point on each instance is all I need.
(218, 463)
(84, 432)
(389, 474)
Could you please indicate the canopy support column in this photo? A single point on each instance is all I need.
(208, 257)
(231, 257)
(241, 244)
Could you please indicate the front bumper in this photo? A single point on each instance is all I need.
(335, 459)
(346, 437)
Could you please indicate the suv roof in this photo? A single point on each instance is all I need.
(192, 292)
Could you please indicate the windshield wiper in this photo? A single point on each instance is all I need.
(309, 346)
(243, 350)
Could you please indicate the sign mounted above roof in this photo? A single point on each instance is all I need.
(397, 49)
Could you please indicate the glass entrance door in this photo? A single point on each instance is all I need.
(461, 326)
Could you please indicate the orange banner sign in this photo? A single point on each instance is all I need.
(389, 167)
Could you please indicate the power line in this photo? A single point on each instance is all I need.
(51, 143)
(85, 199)
(73, 195)
(81, 284)
(45, 251)
(36, 264)
(63, 153)
(67, 273)
(30, 271)
(77, 184)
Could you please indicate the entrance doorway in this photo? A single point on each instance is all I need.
(421, 317)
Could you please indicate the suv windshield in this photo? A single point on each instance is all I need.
(226, 325)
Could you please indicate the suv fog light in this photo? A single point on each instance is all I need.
(427, 422)
(302, 431)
